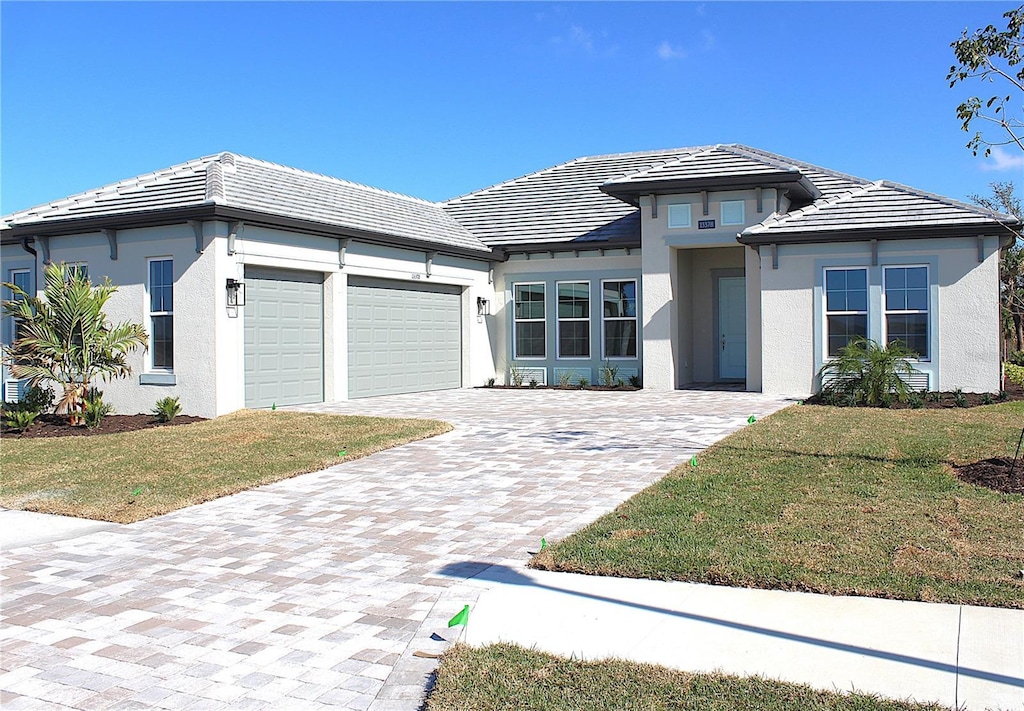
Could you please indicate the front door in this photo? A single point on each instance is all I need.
(732, 328)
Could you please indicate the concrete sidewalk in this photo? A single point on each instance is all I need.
(957, 655)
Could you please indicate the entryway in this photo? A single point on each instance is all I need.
(731, 327)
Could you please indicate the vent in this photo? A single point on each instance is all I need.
(572, 376)
(528, 374)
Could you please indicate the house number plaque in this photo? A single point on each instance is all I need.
(705, 224)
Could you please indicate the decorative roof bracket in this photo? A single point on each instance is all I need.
(704, 201)
(760, 202)
(654, 206)
(429, 259)
(981, 250)
(44, 246)
(775, 256)
(111, 236)
(235, 228)
(874, 252)
(197, 232)
(343, 244)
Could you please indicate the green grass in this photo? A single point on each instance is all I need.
(833, 500)
(503, 676)
(135, 475)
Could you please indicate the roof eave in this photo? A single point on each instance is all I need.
(867, 234)
(630, 191)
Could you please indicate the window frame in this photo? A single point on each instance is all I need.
(635, 318)
(886, 311)
(152, 367)
(11, 329)
(672, 225)
(559, 320)
(516, 320)
(71, 268)
(825, 312)
(743, 211)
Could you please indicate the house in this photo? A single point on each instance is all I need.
(262, 284)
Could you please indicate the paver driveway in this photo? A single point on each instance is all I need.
(317, 590)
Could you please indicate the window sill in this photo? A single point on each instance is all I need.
(158, 379)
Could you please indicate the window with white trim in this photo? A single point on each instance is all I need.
(71, 269)
(846, 307)
(573, 319)
(679, 215)
(619, 318)
(21, 278)
(161, 314)
(906, 307)
(733, 212)
(529, 322)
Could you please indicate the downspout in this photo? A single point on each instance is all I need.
(24, 245)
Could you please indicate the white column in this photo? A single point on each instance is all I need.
(658, 312)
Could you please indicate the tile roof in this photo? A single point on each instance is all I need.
(558, 204)
(879, 206)
(235, 181)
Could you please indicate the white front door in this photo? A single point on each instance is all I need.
(732, 328)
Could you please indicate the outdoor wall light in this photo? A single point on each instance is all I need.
(483, 306)
(236, 293)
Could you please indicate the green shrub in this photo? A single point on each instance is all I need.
(19, 419)
(37, 399)
(94, 409)
(1017, 358)
(1014, 373)
(634, 380)
(167, 409)
(959, 399)
(935, 396)
(987, 399)
(583, 383)
(867, 373)
(916, 400)
(609, 374)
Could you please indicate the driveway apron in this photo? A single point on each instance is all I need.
(318, 591)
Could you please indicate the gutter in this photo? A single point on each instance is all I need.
(868, 234)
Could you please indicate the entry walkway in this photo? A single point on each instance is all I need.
(315, 592)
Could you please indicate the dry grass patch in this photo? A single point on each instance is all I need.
(135, 475)
(834, 500)
(503, 676)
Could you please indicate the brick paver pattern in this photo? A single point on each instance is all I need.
(314, 592)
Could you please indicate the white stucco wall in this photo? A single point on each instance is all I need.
(590, 266)
(963, 303)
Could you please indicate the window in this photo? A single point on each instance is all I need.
(679, 216)
(733, 212)
(161, 313)
(529, 320)
(574, 319)
(21, 278)
(906, 307)
(619, 298)
(846, 307)
(76, 268)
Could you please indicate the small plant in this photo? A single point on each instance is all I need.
(934, 396)
(533, 382)
(565, 379)
(19, 419)
(1002, 396)
(634, 380)
(583, 383)
(987, 399)
(609, 374)
(620, 383)
(37, 399)
(94, 409)
(869, 371)
(489, 383)
(167, 409)
(1017, 358)
(1014, 373)
(516, 375)
(916, 400)
(959, 399)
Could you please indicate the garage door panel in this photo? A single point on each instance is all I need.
(283, 337)
(403, 337)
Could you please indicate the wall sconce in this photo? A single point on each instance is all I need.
(483, 306)
(236, 293)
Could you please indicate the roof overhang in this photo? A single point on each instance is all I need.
(570, 246)
(1003, 231)
(152, 218)
(795, 183)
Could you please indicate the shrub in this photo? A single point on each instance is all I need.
(1014, 373)
(987, 399)
(959, 399)
(609, 374)
(1017, 358)
(37, 399)
(516, 375)
(583, 383)
(94, 409)
(489, 383)
(916, 400)
(934, 396)
(533, 382)
(167, 409)
(634, 380)
(867, 373)
(19, 419)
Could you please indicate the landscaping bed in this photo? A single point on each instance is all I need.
(502, 676)
(58, 426)
(1012, 392)
(129, 476)
(844, 501)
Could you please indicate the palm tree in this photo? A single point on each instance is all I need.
(64, 336)
(869, 373)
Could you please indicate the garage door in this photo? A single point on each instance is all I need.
(403, 338)
(284, 343)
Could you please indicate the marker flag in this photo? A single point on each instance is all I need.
(751, 420)
(543, 543)
(693, 461)
(273, 406)
(461, 617)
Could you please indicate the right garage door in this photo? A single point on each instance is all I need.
(402, 337)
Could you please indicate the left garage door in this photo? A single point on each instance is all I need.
(284, 337)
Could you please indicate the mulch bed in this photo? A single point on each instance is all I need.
(57, 426)
(994, 474)
(1012, 393)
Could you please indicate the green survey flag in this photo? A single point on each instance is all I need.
(693, 461)
(543, 543)
(273, 406)
(751, 420)
(461, 617)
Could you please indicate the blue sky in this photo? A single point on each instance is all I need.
(436, 100)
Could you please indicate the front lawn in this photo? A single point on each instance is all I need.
(833, 500)
(503, 676)
(135, 475)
